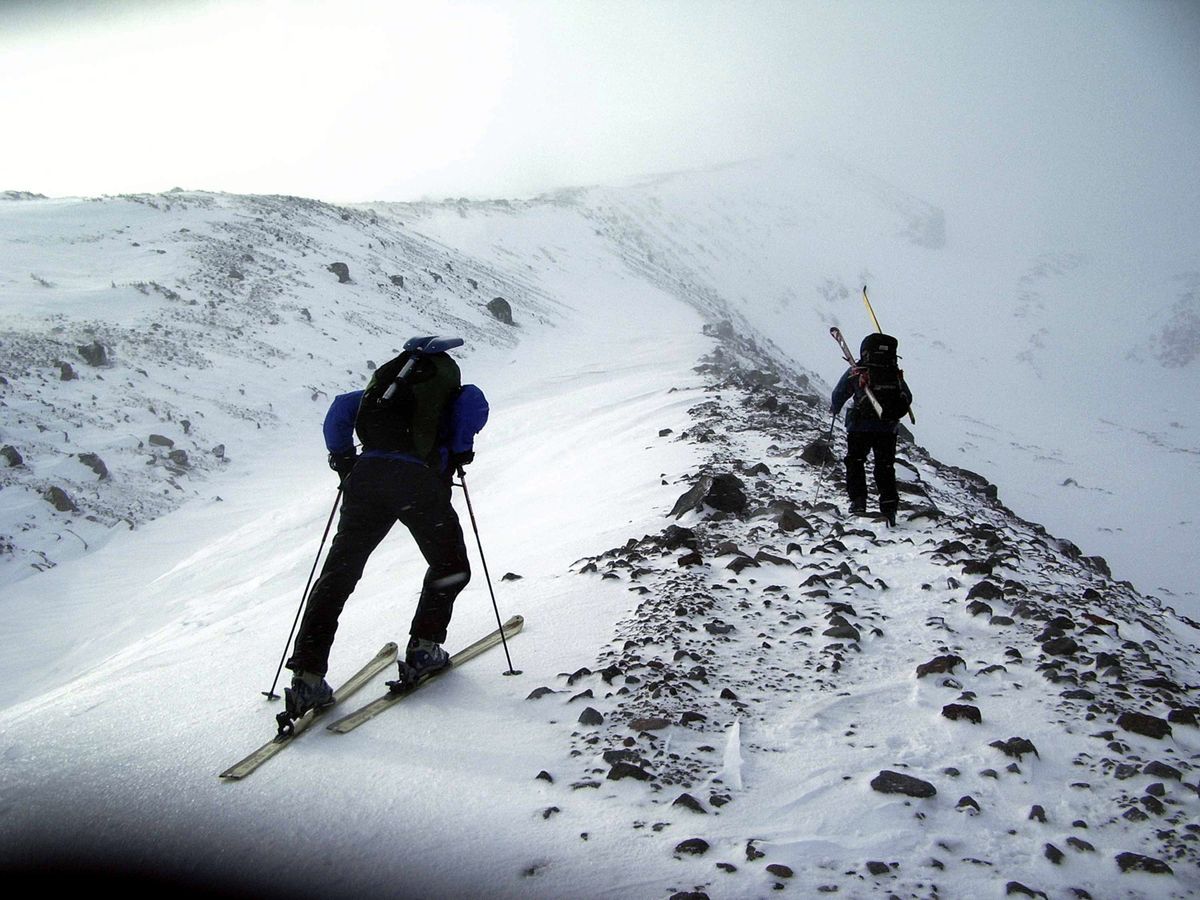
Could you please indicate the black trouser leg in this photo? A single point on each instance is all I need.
(858, 444)
(378, 493)
(884, 448)
(364, 522)
(435, 527)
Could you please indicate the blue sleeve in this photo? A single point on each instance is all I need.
(467, 419)
(339, 422)
(843, 392)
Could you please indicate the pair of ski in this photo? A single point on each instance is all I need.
(384, 658)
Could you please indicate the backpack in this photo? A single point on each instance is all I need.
(402, 409)
(878, 369)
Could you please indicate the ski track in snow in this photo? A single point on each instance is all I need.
(770, 653)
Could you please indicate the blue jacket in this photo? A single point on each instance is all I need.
(846, 388)
(466, 419)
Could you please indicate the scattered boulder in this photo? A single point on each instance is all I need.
(622, 769)
(1144, 724)
(501, 310)
(956, 711)
(939, 664)
(11, 457)
(687, 801)
(692, 846)
(158, 440)
(1016, 747)
(94, 354)
(1061, 646)
(1135, 862)
(95, 463)
(818, 453)
(60, 499)
(341, 270)
(888, 782)
(591, 716)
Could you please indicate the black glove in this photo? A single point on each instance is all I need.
(458, 460)
(342, 463)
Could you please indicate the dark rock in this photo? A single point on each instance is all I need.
(650, 723)
(1135, 862)
(940, 664)
(1081, 845)
(397, 280)
(538, 693)
(1144, 724)
(986, 590)
(66, 372)
(888, 782)
(1036, 813)
(968, 802)
(1183, 716)
(692, 499)
(752, 852)
(544, 776)
(780, 871)
(1061, 646)
(727, 494)
(676, 537)
(1053, 854)
(511, 576)
(158, 440)
(179, 458)
(11, 457)
(591, 716)
(956, 711)
(843, 632)
(819, 453)
(1015, 747)
(1162, 770)
(1015, 887)
(341, 270)
(692, 846)
(95, 463)
(501, 310)
(689, 802)
(876, 867)
(977, 607)
(95, 354)
(627, 770)
(60, 499)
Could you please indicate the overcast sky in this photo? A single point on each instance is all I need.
(1079, 102)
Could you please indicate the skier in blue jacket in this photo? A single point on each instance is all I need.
(417, 424)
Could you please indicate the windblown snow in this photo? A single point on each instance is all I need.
(727, 688)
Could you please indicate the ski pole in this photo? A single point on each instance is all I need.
(271, 695)
(462, 477)
(825, 463)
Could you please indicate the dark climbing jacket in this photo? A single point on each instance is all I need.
(877, 366)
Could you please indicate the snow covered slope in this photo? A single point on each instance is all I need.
(713, 691)
(1062, 364)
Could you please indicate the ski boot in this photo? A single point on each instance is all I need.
(421, 659)
(858, 507)
(887, 512)
(309, 692)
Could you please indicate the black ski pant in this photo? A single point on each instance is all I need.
(378, 493)
(883, 445)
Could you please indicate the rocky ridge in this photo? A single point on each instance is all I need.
(963, 664)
